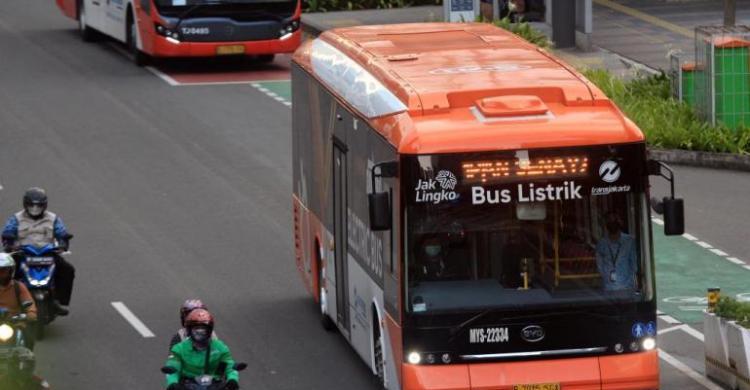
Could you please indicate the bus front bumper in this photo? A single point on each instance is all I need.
(166, 48)
(621, 372)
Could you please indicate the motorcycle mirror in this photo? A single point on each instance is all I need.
(27, 304)
(240, 366)
(168, 370)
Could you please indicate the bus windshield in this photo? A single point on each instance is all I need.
(526, 230)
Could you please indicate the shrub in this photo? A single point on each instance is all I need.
(524, 30)
(734, 310)
(667, 123)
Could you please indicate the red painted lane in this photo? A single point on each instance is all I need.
(225, 70)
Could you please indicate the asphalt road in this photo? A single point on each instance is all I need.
(171, 193)
(177, 192)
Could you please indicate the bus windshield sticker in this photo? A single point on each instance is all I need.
(428, 190)
(179, 3)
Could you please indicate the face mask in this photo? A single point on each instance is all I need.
(200, 334)
(432, 250)
(35, 211)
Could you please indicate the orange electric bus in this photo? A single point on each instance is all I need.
(472, 213)
(191, 28)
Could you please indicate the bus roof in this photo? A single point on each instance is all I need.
(472, 86)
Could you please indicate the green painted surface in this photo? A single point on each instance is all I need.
(684, 270)
(282, 88)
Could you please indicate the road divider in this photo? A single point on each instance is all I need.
(139, 326)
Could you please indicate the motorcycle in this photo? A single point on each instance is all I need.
(203, 382)
(37, 271)
(17, 361)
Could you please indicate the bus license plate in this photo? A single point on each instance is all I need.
(230, 49)
(538, 386)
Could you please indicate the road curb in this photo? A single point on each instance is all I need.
(737, 162)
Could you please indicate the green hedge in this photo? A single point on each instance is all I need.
(734, 310)
(667, 123)
(339, 5)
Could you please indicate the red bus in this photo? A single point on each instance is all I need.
(472, 213)
(191, 28)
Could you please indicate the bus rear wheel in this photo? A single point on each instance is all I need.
(378, 354)
(87, 33)
(139, 58)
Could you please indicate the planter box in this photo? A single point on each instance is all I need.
(727, 350)
(717, 350)
(738, 339)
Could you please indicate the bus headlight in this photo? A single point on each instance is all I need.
(648, 344)
(414, 358)
(6, 332)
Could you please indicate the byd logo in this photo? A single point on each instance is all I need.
(532, 333)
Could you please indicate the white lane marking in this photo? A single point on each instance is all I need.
(271, 94)
(667, 330)
(746, 267)
(670, 319)
(163, 76)
(133, 320)
(685, 369)
(690, 237)
(657, 221)
(209, 83)
(704, 244)
(736, 260)
(719, 252)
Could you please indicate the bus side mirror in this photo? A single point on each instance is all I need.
(380, 210)
(380, 202)
(674, 217)
(672, 208)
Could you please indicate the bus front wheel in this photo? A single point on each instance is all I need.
(139, 58)
(87, 33)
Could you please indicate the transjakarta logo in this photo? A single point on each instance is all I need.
(609, 171)
(428, 191)
(526, 193)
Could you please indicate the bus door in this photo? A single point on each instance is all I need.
(340, 233)
(115, 19)
(95, 10)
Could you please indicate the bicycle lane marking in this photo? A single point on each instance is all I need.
(685, 269)
(279, 90)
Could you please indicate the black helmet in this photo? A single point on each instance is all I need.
(35, 196)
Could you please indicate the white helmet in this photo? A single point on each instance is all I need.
(6, 261)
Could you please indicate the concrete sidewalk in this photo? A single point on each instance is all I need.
(626, 32)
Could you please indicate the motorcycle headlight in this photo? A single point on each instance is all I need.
(6, 332)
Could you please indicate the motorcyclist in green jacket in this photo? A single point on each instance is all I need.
(188, 357)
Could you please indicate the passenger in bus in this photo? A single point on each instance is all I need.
(431, 265)
(616, 256)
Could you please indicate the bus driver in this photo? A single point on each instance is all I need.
(616, 256)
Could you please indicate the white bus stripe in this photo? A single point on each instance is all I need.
(133, 320)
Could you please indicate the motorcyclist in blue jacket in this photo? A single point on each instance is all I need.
(35, 225)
